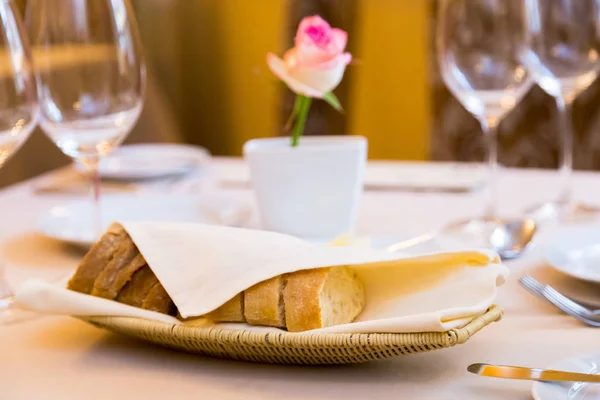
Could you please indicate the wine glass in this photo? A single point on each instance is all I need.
(91, 77)
(18, 107)
(563, 57)
(479, 46)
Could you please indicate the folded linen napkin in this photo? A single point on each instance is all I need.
(201, 267)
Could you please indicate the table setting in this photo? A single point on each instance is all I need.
(302, 269)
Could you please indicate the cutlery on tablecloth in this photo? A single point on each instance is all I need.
(531, 374)
(574, 309)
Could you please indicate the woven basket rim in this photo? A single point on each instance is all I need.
(455, 336)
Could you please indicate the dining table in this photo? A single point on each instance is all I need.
(60, 357)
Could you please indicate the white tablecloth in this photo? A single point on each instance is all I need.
(61, 358)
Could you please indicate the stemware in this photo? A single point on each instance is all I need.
(562, 54)
(91, 77)
(18, 107)
(479, 47)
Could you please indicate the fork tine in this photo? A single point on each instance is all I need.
(530, 288)
(541, 288)
(533, 282)
(567, 305)
(538, 289)
(575, 315)
(573, 305)
(530, 284)
(557, 301)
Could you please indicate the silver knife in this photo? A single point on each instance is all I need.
(531, 374)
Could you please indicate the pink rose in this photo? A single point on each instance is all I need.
(316, 65)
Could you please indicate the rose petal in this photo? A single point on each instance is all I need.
(310, 54)
(308, 22)
(322, 79)
(339, 39)
(290, 58)
(277, 66)
(343, 59)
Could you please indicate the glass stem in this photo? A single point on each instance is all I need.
(489, 126)
(91, 165)
(566, 152)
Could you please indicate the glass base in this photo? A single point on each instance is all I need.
(9, 314)
(6, 293)
(557, 211)
(468, 233)
(474, 233)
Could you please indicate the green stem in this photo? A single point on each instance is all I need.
(294, 114)
(304, 106)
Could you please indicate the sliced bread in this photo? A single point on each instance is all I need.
(299, 301)
(263, 302)
(322, 297)
(232, 311)
(96, 259)
(114, 269)
(138, 287)
(119, 271)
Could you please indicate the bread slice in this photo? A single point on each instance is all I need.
(96, 259)
(232, 311)
(158, 300)
(322, 297)
(118, 271)
(263, 302)
(138, 287)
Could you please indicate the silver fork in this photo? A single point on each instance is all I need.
(576, 310)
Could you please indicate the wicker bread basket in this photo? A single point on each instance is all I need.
(291, 348)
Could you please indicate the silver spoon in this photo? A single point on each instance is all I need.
(510, 239)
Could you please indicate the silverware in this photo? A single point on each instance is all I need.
(574, 309)
(530, 374)
(511, 239)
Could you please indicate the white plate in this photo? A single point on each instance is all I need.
(571, 390)
(148, 161)
(72, 223)
(576, 252)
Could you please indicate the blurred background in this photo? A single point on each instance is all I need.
(208, 84)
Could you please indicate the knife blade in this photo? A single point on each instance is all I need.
(532, 374)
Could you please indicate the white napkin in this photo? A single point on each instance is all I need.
(201, 267)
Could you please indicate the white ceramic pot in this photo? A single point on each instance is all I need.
(312, 190)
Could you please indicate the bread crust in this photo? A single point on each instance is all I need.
(264, 304)
(302, 299)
